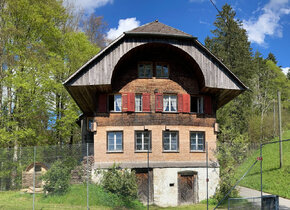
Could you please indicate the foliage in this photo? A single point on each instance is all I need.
(270, 169)
(57, 179)
(248, 119)
(120, 182)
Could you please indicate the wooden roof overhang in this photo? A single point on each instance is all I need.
(96, 75)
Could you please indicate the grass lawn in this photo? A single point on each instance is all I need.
(275, 181)
(76, 199)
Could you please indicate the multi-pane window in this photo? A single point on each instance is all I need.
(169, 103)
(145, 70)
(118, 103)
(115, 141)
(196, 104)
(170, 141)
(138, 103)
(115, 103)
(197, 141)
(162, 71)
(143, 140)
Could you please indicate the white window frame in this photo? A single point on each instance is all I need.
(117, 99)
(194, 140)
(115, 141)
(170, 141)
(170, 99)
(142, 141)
(138, 103)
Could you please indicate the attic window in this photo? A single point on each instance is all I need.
(145, 70)
(162, 71)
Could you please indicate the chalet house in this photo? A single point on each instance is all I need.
(155, 88)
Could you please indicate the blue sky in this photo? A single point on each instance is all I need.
(266, 21)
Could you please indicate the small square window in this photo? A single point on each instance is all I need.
(169, 103)
(145, 70)
(170, 141)
(162, 71)
(197, 142)
(115, 141)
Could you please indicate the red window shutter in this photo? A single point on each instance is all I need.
(186, 103)
(207, 105)
(146, 102)
(131, 102)
(158, 102)
(102, 105)
(180, 102)
(125, 102)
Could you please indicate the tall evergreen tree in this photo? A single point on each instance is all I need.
(272, 57)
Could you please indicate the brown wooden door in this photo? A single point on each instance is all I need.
(142, 181)
(186, 188)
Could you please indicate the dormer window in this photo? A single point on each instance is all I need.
(162, 71)
(145, 70)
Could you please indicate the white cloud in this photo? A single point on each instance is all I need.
(285, 70)
(267, 24)
(89, 6)
(124, 25)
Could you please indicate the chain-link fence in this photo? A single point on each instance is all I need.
(28, 174)
(65, 177)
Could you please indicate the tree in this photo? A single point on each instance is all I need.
(230, 44)
(272, 57)
(95, 27)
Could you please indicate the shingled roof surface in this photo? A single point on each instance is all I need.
(158, 28)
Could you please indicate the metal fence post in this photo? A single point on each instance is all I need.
(34, 154)
(207, 180)
(88, 176)
(261, 172)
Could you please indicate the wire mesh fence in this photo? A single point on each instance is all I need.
(65, 177)
(28, 174)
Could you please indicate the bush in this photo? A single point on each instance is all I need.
(120, 182)
(57, 178)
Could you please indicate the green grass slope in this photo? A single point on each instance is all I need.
(275, 180)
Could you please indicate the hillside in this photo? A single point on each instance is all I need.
(275, 180)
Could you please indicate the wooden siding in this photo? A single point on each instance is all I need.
(100, 71)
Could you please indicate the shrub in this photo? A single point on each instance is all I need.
(57, 178)
(120, 182)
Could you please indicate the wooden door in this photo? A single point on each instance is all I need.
(186, 188)
(142, 181)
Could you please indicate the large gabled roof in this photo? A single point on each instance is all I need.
(96, 74)
(156, 27)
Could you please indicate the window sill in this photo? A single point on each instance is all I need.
(170, 151)
(142, 151)
(108, 152)
(197, 151)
